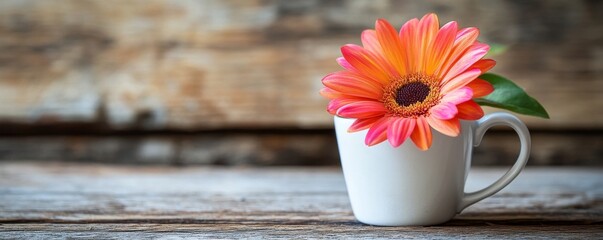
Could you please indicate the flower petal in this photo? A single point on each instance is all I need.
(473, 54)
(345, 64)
(330, 93)
(460, 80)
(450, 127)
(480, 87)
(370, 41)
(484, 65)
(467, 35)
(444, 111)
(337, 103)
(442, 46)
(362, 109)
(399, 130)
(391, 45)
(362, 124)
(470, 111)
(428, 29)
(367, 63)
(377, 133)
(458, 96)
(464, 39)
(408, 36)
(421, 136)
(353, 84)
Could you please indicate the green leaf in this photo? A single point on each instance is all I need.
(511, 97)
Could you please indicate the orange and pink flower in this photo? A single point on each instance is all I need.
(399, 85)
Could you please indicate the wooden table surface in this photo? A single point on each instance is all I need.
(60, 200)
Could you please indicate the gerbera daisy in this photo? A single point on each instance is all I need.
(400, 85)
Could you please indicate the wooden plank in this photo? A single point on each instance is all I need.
(248, 64)
(318, 230)
(84, 200)
(276, 148)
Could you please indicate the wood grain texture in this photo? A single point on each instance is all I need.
(217, 64)
(265, 148)
(100, 201)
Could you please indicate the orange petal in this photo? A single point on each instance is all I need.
(480, 87)
(353, 84)
(408, 36)
(421, 136)
(391, 45)
(399, 130)
(362, 109)
(443, 44)
(362, 124)
(449, 127)
(470, 110)
(484, 65)
(428, 29)
(370, 41)
(377, 133)
(330, 93)
(367, 63)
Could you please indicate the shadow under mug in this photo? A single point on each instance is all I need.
(405, 186)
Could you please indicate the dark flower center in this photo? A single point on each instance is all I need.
(411, 93)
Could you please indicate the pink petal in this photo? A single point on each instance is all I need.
(450, 127)
(464, 39)
(466, 36)
(444, 111)
(399, 130)
(345, 64)
(473, 54)
(334, 105)
(458, 96)
(337, 103)
(377, 133)
(443, 44)
(370, 41)
(362, 109)
(461, 80)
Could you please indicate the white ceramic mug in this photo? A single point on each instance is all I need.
(405, 186)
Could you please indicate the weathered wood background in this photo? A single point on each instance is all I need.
(154, 68)
(41, 201)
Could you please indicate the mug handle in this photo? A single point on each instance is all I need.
(482, 125)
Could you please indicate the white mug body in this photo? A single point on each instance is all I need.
(391, 186)
(405, 186)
